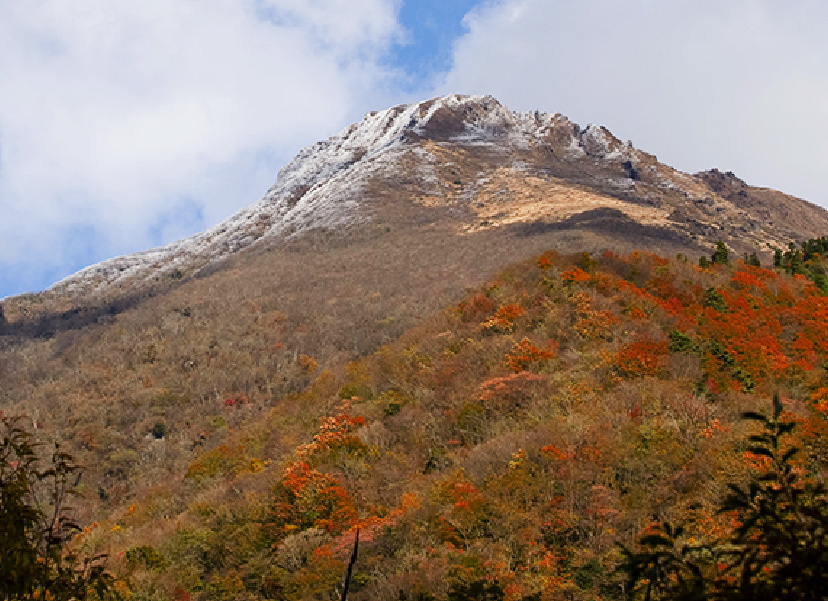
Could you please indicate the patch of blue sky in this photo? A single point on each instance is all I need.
(432, 26)
(184, 218)
(20, 278)
(78, 248)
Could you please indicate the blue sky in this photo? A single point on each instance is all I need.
(432, 26)
(126, 125)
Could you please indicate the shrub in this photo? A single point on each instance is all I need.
(145, 556)
(159, 430)
(503, 320)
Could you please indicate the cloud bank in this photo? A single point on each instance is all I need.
(739, 85)
(127, 124)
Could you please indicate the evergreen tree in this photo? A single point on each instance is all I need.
(721, 255)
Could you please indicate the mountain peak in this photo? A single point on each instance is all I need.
(470, 163)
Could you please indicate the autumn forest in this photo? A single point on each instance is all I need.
(579, 427)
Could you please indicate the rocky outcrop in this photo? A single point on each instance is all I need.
(724, 183)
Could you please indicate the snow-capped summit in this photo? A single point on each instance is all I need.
(491, 166)
(320, 186)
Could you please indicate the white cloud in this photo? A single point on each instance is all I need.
(345, 26)
(739, 85)
(137, 121)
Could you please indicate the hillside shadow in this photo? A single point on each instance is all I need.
(47, 325)
(604, 220)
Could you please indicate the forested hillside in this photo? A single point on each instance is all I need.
(500, 450)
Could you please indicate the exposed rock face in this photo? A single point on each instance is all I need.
(471, 163)
(722, 183)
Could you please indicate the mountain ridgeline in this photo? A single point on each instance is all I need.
(465, 166)
(483, 339)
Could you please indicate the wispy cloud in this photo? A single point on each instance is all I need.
(739, 84)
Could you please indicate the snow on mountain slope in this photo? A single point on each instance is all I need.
(494, 166)
(321, 185)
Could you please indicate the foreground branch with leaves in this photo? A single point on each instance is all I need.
(36, 560)
(778, 549)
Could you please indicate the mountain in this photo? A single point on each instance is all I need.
(390, 284)
(469, 165)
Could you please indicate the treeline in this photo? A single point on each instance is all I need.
(808, 260)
